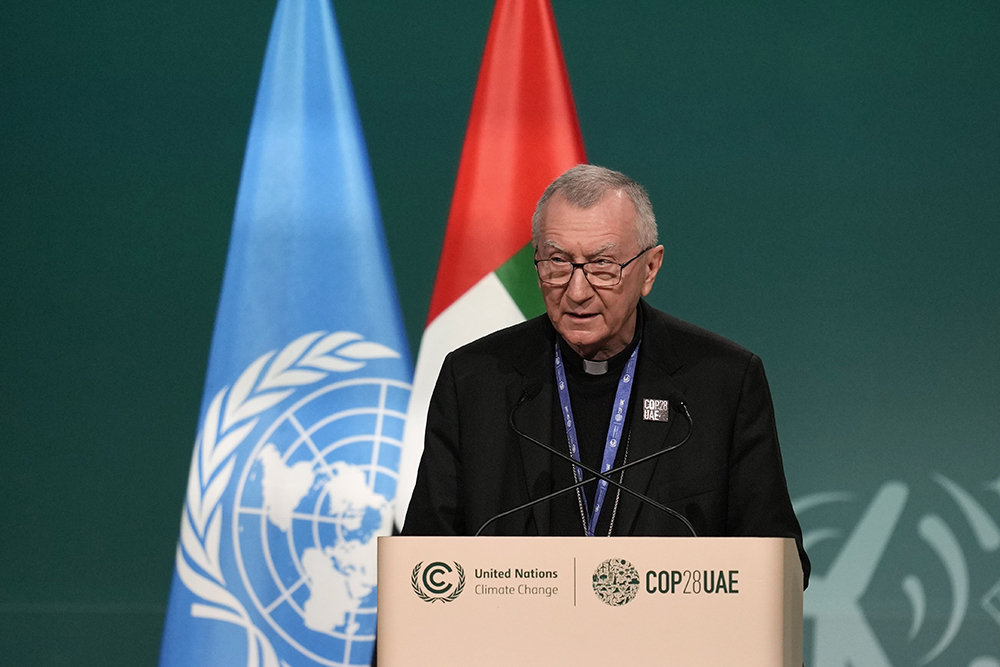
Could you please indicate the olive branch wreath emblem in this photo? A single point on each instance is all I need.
(231, 416)
(414, 582)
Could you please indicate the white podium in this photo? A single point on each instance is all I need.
(521, 601)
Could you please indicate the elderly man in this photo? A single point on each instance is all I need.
(595, 378)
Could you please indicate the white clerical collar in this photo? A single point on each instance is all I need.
(571, 357)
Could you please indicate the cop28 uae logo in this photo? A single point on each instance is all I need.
(616, 582)
(437, 581)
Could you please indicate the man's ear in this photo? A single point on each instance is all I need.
(652, 263)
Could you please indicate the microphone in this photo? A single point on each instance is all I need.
(531, 390)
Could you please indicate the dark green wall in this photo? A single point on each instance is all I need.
(826, 178)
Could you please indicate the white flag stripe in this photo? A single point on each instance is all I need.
(484, 309)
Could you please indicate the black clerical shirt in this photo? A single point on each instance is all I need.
(592, 398)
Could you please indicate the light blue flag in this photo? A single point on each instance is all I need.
(295, 462)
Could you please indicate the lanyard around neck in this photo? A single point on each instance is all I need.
(618, 414)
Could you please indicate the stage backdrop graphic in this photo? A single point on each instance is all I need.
(825, 179)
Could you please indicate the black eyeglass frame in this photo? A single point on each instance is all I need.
(586, 274)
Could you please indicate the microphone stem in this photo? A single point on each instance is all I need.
(596, 474)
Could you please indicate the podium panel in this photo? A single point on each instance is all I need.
(697, 602)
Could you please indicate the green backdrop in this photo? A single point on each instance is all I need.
(826, 180)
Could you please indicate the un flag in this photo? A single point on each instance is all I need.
(295, 463)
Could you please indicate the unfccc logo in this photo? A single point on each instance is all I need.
(441, 581)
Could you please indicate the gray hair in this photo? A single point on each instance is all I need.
(585, 185)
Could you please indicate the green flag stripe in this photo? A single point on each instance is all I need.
(517, 275)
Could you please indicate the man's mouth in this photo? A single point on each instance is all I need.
(581, 316)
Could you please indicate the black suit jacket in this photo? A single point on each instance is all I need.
(727, 479)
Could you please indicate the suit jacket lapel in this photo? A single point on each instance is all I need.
(654, 379)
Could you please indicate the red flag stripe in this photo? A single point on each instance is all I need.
(523, 132)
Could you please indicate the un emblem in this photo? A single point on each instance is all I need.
(305, 505)
(312, 499)
(441, 581)
(616, 582)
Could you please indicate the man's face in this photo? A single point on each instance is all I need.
(597, 322)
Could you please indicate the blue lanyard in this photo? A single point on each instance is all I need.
(614, 431)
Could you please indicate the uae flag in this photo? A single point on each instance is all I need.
(522, 134)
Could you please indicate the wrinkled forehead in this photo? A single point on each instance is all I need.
(556, 246)
(608, 225)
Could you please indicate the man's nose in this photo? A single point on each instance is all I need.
(579, 288)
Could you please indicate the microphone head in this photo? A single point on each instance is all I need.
(531, 388)
(677, 401)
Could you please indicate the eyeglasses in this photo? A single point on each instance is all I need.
(600, 273)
